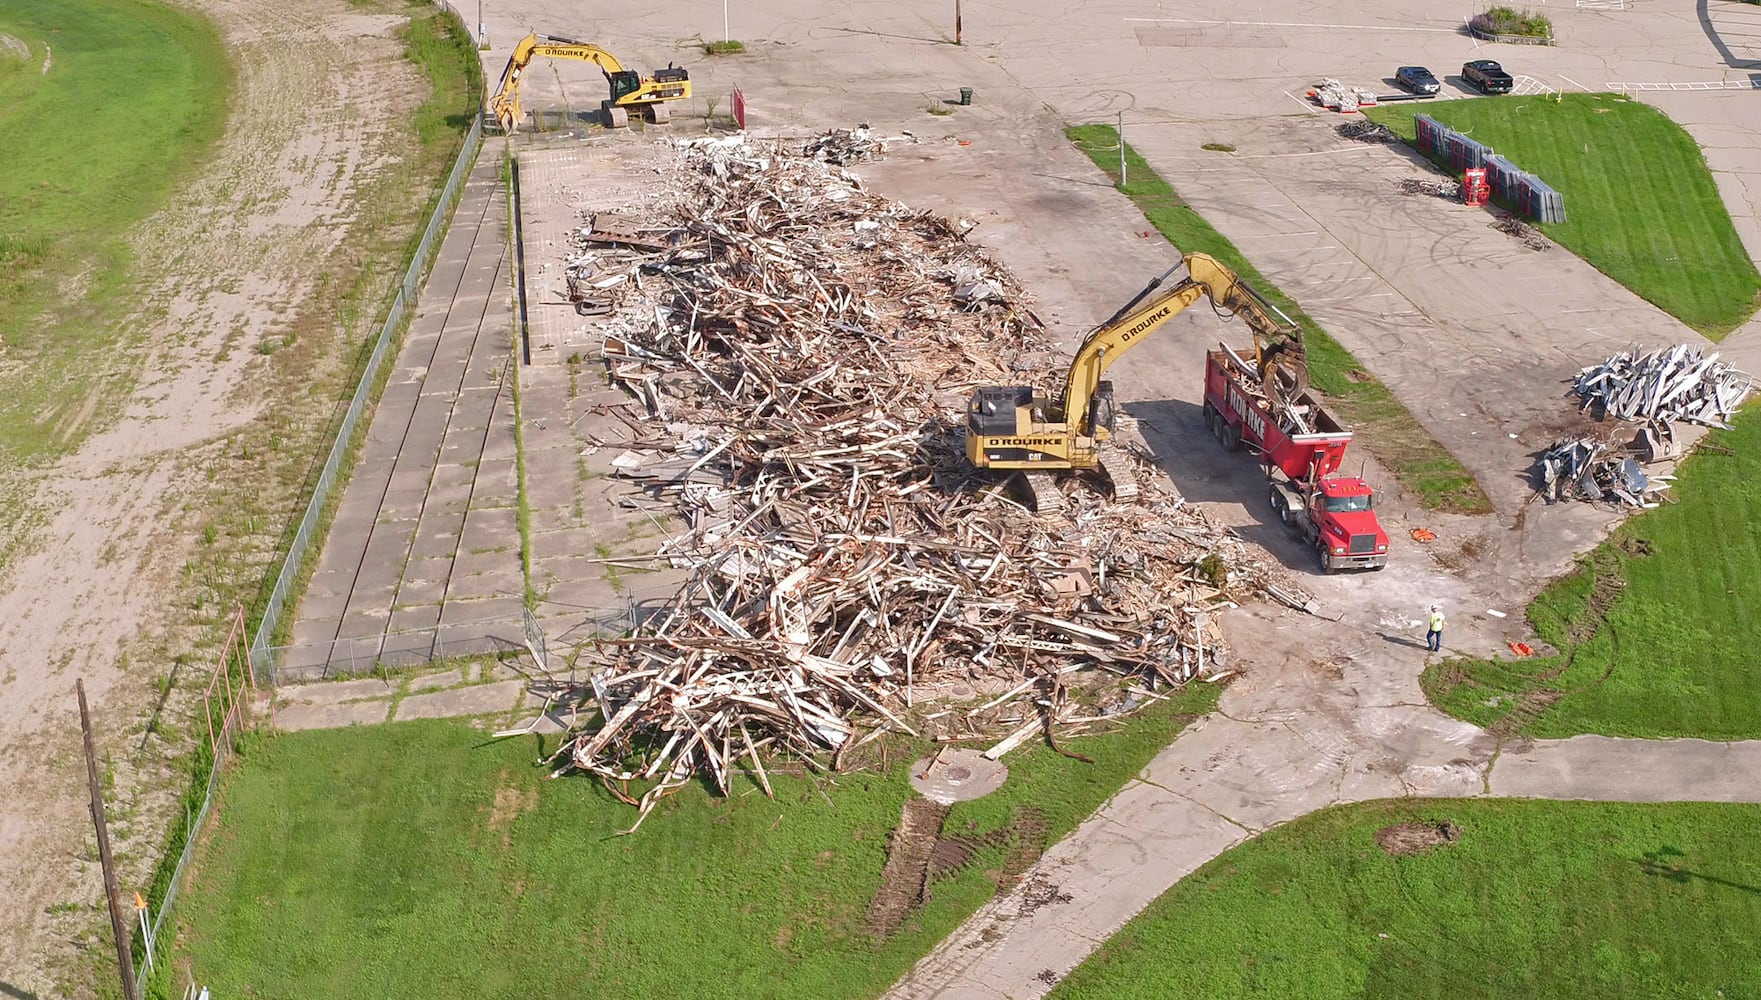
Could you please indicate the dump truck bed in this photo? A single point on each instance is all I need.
(1313, 448)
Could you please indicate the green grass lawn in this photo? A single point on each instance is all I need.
(1674, 653)
(1536, 899)
(420, 860)
(1640, 204)
(1405, 448)
(136, 92)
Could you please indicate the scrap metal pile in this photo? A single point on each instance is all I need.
(1595, 471)
(1654, 389)
(1517, 229)
(1447, 188)
(1343, 98)
(1668, 384)
(801, 357)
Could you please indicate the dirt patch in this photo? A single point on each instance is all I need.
(1463, 557)
(906, 874)
(1412, 838)
(11, 45)
(509, 804)
(1606, 586)
(1027, 841)
(1638, 548)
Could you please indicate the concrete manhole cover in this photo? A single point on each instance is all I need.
(953, 775)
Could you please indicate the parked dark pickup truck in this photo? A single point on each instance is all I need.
(1487, 77)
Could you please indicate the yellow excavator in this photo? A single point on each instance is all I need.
(1041, 435)
(629, 89)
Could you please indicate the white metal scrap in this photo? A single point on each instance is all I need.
(1595, 471)
(1670, 383)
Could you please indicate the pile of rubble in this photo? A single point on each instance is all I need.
(1595, 471)
(843, 146)
(1668, 384)
(1518, 230)
(801, 352)
(1440, 187)
(1364, 130)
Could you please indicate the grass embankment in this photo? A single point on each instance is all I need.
(1657, 628)
(1536, 899)
(134, 94)
(1405, 448)
(417, 860)
(1640, 203)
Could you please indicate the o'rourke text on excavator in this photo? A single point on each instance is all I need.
(1144, 324)
(1039, 442)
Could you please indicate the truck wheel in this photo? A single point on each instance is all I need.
(1281, 506)
(1327, 566)
(1232, 438)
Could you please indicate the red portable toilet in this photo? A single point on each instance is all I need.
(1474, 189)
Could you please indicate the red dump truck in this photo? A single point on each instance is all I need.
(1333, 513)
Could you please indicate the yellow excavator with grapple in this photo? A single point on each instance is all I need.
(1040, 435)
(648, 95)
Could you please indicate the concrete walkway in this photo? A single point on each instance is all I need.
(423, 558)
(473, 689)
(1322, 725)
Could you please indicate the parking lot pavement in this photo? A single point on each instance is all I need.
(570, 432)
(1476, 334)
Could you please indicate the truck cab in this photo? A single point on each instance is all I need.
(1347, 532)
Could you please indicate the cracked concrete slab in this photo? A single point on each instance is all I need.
(481, 699)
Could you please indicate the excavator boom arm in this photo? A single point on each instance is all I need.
(1150, 310)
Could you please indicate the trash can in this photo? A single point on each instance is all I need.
(965, 96)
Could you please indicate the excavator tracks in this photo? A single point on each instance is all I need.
(1121, 475)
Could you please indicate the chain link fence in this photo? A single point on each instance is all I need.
(263, 663)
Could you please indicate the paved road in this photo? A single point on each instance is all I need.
(425, 548)
(578, 519)
(1291, 736)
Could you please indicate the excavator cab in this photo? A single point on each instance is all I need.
(624, 83)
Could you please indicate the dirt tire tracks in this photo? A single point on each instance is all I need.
(100, 590)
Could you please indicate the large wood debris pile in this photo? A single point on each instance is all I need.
(801, 351)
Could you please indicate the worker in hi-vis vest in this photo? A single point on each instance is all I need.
(1434, 637)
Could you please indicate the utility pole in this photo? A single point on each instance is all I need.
(725, 35)
(956, 22)
(1121, 131)
(118, 923)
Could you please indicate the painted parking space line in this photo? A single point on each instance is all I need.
(1290, 24)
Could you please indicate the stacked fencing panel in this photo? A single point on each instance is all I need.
(1510, 183)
